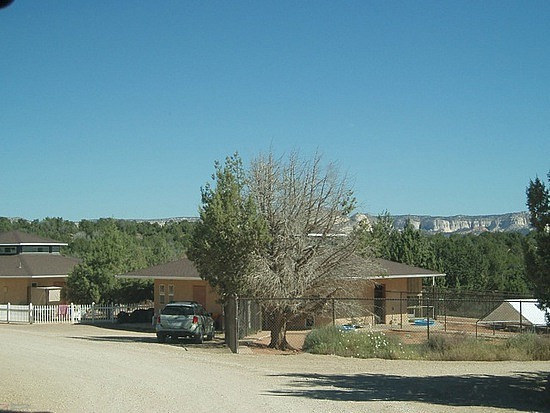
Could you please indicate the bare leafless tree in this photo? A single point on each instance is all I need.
(304, 204)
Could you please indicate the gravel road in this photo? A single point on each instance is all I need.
(70, 368)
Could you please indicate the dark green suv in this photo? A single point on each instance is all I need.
(185, 319)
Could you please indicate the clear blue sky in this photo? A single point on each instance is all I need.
(119, 109)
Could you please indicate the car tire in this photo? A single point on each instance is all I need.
(200, 337)
(161, 338)
(211, 336)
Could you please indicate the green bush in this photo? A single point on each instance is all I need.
(533, 346)
(460, 347)
(355, 343)
(438, 343)
(450, 347)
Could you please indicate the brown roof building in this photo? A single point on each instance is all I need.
(32, 268)
(178, 281)
(387, 280)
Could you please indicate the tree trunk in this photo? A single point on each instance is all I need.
(278, 330)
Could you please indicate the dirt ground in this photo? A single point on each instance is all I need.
(68, 368)
(408, 334)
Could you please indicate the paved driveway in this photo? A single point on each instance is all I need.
(69, 368)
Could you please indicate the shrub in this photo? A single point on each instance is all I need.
(532, 346)
(438, 343)
(355, 343)
(463, 347)
(459, 347)
(448, 347)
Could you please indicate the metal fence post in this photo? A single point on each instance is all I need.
(520, 317)
(8, 312)
(401, 310)
(445, 310)
(236, 329)
(333, 313)
(428, 317)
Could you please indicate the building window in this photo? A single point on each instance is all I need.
(162, 294)
(8, 250)
(170, 293)
(34, 248)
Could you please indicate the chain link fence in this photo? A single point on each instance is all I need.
(259, 322)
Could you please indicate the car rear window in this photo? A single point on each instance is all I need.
(177, 310)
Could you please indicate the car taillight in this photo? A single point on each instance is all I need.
(158, 319)
(195, 319)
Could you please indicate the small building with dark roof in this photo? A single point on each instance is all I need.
(393, 285)
(32, 269)
(388, 284)
(178, 280)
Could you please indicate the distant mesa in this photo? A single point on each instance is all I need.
(164, 221)
(459, 224)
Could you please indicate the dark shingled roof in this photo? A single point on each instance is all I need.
(36, 265)
(185, 269)
(396, 269)
(20, 237)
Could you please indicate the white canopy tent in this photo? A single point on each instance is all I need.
(524, 313)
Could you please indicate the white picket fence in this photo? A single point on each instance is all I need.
(65, 313)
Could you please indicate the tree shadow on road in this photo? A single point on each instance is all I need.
(19, 411)
(118, 339)
(186, 343)
(521, 392)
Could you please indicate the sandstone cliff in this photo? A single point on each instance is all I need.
(517, 221)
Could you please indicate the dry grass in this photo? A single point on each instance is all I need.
(440, 346)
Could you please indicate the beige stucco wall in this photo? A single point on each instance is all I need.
(363, 310)
(397, 290)
(17, 290)
(14, 290)
(183, 291)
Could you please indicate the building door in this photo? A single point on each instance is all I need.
(199, 294)
(380, 303)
